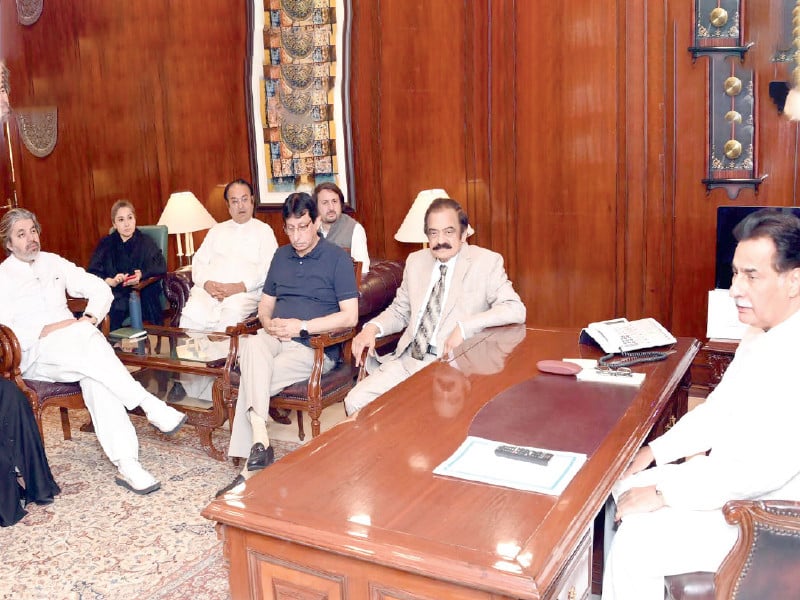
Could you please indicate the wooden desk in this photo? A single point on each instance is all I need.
(358, 514)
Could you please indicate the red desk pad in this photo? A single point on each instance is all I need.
(554, 412)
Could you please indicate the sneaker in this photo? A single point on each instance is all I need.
(165, 418)
(133, 476)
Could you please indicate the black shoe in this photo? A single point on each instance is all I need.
(260, 457)
(177, 392)
(238, 481)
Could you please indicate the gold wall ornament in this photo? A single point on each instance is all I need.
(733, 86)
(732, 149)
(29, 11)
(38, 128)
(733, 116)
(718, 17)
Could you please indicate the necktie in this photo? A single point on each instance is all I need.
(419, 345)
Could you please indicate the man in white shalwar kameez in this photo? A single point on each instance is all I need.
(230, 266)
(58, 347)
(743, 439)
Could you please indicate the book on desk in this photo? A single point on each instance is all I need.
(127, 333)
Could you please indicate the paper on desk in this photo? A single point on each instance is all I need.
(588, 373)
(475, 460)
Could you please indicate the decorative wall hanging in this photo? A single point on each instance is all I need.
(732, 103)
(298, 97)
(29, 11)
(38, 128)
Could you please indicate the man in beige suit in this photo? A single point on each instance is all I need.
(450, 292)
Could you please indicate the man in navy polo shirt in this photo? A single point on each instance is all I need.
(310, 288)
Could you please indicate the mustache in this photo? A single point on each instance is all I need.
(442, 246)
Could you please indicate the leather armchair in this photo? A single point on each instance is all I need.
(763, 563)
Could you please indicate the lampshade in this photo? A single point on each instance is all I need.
(184, 214)
(412, 229)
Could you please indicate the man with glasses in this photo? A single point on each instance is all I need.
(450, 292)
(310, 289)
(228, 269)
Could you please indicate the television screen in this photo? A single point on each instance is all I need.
(729, 217)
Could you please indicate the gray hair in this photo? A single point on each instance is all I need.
(8, 221)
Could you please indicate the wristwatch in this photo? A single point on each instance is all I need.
(92, 318)
(304, 329)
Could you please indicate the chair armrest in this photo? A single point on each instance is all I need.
(10, 353)
(147, 281)
(331, 338)
(177, 286)
(766, 555)
(249, 326)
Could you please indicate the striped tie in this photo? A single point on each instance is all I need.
(419, 345)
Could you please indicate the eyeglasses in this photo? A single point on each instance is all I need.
(291, 229)
(435, 233)
(237, 201)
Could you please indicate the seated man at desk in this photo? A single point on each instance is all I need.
(742, 439)
(339, 228)
(310, 288)
(58, 347)
(450, 291)
(228, 269)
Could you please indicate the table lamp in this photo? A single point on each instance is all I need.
(412, 230)
(184, 214)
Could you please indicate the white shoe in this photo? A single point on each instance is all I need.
(133, 476)
(165, 418)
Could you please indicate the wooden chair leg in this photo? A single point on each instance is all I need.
(300, 433)
(65, 423)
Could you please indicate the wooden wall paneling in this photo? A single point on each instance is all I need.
(365, 100)
(501, 137)
(644, 226)
(567, 138)
(422, 106)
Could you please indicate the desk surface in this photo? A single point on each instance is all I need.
(365, 489)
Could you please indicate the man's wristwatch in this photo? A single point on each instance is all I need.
(304, 329)
(92, 318)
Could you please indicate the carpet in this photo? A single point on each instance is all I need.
(100, 541)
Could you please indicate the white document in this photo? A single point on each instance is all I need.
(723, 318)
(475, 460)
(589, 373)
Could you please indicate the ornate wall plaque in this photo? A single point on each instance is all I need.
(29, 11)
(38, 128)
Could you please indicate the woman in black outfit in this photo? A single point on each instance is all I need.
(25, 475)
(125, 257)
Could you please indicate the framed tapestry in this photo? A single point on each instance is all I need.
(298, 100)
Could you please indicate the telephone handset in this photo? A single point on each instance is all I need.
(621, 335)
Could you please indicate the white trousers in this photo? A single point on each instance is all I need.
(202, 312)
(383, 377)
(81, 353)
(268, 365)
(669, 541)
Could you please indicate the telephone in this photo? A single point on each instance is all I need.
(621, 335)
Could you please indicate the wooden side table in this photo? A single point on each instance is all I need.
(710, 364)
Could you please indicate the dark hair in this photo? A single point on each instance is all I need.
(298, 204)
(328, 185)
(444, 203)
(8, 221)
(237, 182)
(121, 204)
(780, 227)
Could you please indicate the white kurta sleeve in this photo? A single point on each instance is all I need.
(358, 247)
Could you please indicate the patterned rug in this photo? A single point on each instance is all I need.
(100, 541)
